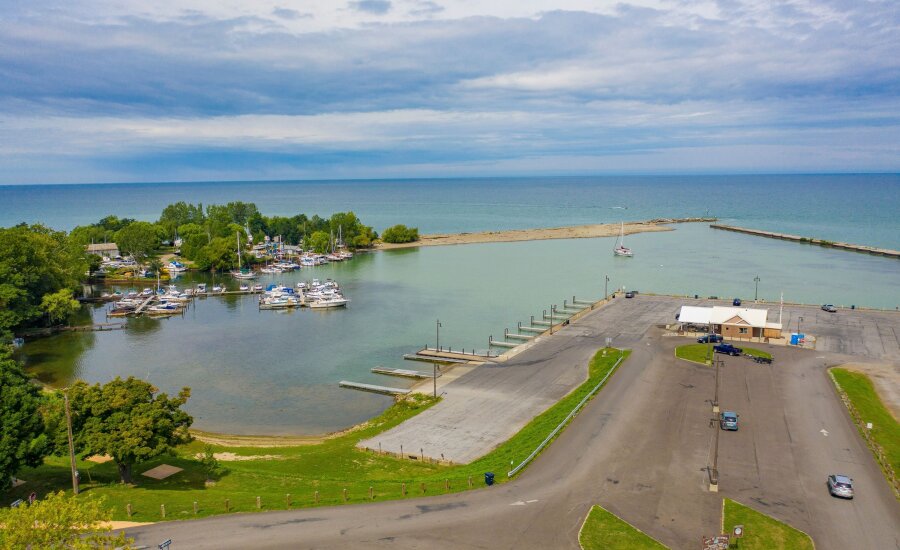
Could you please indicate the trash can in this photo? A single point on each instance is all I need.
(489, 478)
(853, 307)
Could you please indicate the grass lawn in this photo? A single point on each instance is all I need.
(328, 467)
(885, 428)
(604, 530)
(697, 352)
(762, 532)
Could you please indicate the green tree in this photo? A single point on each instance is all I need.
(180, 213)
(60, 521)
(138, 239)
(318, 241)
(127, 420)
(220, 254)
(23, 441)
(34, 261)
(210, 463)
(59, 305)
(400, 234)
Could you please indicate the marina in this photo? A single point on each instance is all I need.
(293, 359)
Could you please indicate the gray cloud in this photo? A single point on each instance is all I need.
(375, 7)
(286, 13)
(426, 8)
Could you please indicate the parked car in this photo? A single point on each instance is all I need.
(728, 420)
(736, 302)
(727, 349)
(829, 308)
(840, 486)
(706, 338)
(629, 294)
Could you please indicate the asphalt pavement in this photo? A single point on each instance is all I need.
(641, 448)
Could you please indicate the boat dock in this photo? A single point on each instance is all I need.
(875, 251)
(402, 372)
(557, 316)
(373, 388)
(449, 356)
(144, 304)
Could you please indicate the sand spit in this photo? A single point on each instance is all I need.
(570, 232)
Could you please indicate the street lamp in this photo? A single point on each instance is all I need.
(799, 319)
(606, 288)
(756, 292)
(437, 335)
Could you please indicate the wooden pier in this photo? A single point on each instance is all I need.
(402, 372)
(875, 251)
(144, 304)
(373, 388)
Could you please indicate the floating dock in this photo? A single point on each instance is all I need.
(373, 388)
(808, 240)
(430, 359)
(431, 354)
(402, 372)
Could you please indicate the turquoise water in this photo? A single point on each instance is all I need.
(270, 372)
(859, 209)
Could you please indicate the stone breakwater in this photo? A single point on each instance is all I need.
(810, 240)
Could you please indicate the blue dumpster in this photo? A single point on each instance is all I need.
(797, 339)
(489, 478)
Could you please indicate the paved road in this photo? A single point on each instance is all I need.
(641, 448)
(509, 394)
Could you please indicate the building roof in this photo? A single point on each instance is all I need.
(102, 247)
(719, 315)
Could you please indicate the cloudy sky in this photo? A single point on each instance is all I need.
(176, 90)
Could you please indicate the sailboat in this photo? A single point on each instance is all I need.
(621, 249)
(241, 272)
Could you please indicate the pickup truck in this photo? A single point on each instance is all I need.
(727, 349)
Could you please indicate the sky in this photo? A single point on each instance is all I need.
(183, 90)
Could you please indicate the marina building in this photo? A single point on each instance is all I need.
(731, 322)
(104, 250)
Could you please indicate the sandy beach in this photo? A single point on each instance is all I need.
(570, 232)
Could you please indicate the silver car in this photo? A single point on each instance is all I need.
(840, 486)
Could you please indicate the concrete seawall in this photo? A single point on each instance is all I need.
(809, 240)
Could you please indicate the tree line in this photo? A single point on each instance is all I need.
(128, 420)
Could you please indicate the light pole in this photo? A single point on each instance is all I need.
(71, 444)
(437, 335)
(756, 292)
(718, 363)
(799, 319)
(606, 288)
(434, 377)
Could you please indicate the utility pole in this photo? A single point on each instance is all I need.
(718, 363)
(799, 319)
(756, 292)
(71, 443)
(606, 288)
(437, 335)
(434, 377)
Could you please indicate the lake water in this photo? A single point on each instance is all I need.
(860, 209)
(272, 372)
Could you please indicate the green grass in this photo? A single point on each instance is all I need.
(604, 530)
(328, 467)
(697, 352)
(885, 428)
(762, 532)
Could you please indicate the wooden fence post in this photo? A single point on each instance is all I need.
(227, 505)
(317, 497)
(371, 493)
(345, 495)
(258, 503)
(195, 507)
(162, 510)
(128, 510)
(403, 489)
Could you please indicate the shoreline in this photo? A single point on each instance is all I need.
(589, 231)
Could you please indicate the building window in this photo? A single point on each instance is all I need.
(742, 331)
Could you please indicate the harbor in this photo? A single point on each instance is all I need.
(293, 359)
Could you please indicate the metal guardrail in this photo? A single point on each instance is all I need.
(565, 421)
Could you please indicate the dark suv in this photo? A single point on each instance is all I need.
(727, 349)
(706, 338)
